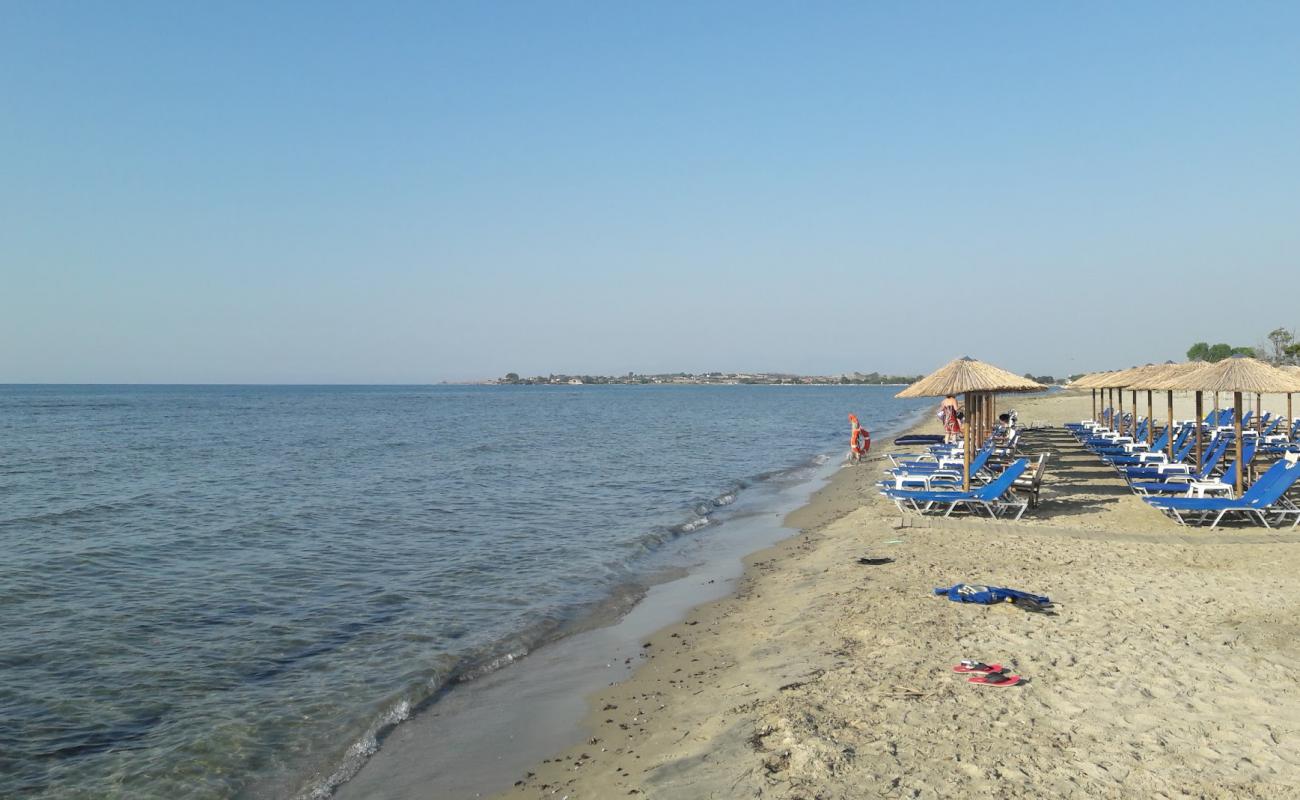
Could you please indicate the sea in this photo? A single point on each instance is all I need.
(238, 591)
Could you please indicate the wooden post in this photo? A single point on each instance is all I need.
(1121, 412)
(1135, 414)
(1259, 414)
(1171, 426)
(1151, 419)
(1199, 455)
(965, 443)
(1094, 405)
(1236, 427)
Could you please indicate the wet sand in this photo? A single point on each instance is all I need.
(1169, 668)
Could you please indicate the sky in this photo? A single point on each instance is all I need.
(253, 192)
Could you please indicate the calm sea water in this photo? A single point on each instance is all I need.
(230, 591)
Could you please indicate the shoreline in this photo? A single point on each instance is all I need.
(455, 746)
(837, 498)
(822, 677)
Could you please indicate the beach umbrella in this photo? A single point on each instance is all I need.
(1238, 375)
(1140, 378)
(1158, 378)
(1091, 382)
(973, 380)
(1119, 381)
(1290, 419)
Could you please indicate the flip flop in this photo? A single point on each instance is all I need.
(996, 679)
(874, 562)
(968, 667)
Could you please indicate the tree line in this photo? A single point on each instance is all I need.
(1279, 347)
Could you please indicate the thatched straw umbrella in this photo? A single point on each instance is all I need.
(1290, 419)
(1140, 378)
(1102, 382)
(1237, 374)
(974, 380)
(1090, 382)
(1119, 381)
(1158, 378)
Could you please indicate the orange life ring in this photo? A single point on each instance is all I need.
(861, 441)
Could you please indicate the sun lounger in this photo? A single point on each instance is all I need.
(1203, 484)
(995, 497)
(1180, 470)
(1266, 497)
(904, 477)
(1031, 482)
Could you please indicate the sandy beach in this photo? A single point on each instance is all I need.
(1168, 668)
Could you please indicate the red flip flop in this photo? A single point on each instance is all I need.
(996, 679)
(969, 667)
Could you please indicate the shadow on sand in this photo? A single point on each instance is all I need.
(1075, 483)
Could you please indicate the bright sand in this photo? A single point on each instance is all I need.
(1169, 670)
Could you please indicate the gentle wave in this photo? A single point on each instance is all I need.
(211, 589)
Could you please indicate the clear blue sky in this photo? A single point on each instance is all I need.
(390, 192)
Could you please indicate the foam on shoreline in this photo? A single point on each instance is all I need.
(408, 751)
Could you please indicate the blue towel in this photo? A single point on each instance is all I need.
(988, 595)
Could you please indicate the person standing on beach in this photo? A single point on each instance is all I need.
(948, 412)
(859, 440)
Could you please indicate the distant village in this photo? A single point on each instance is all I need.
(711, 378)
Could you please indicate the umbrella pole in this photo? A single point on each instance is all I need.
(1290, 421)
(1259, 413)
(1199, 403)
(1151, 418)
(1121, 412)
(1170, 430)
(1135, 415)
(1094, 405)
(1236, 425)
(965, 444)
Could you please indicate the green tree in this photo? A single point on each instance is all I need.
(513, 377)
(1219, 351)
(1280, 339)
(1198, 352)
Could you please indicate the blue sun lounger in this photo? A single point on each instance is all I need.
(1177, 486)
(1180, 471)
(993, 497)
(927, 476)
(1265, 497)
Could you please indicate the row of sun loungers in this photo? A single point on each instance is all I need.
(1205, 493)
(1002, 483)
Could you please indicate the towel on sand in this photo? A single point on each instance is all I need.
(988, 595)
